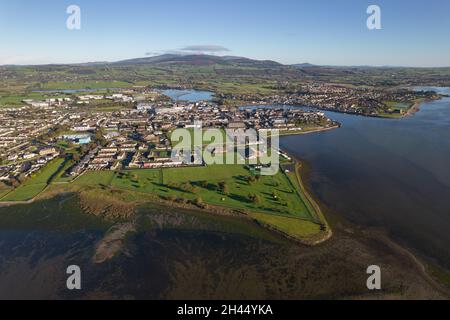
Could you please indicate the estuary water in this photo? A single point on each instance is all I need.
(393, 174)
(188, 95)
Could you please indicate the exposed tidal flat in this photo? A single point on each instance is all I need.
(165, 253)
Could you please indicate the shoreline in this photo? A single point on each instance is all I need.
(413, 109)
(300, 174)
(299, 133)
(334, 229)
(341, 225)
(417, 104)
(329, 233)
(310, 240)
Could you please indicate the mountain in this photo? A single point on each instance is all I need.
(199, 60)
(303, 65)
(179, 59)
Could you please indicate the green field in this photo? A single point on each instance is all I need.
(74, 85)
(98, 178)
(293, 227)
(35, 184)
(60, 177)
(275, 201)
(400, 108)
(275, 194)
(4, 191)
(15, 99)
(398, 105)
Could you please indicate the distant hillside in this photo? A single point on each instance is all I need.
(200, 60)
(303, 65)
(226, 74)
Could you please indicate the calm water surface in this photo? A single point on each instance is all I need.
(188, 95)
(393, 174)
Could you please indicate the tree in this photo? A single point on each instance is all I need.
(76, 157)
(223, 187)
(250, 179)
(21, 178)
(83, 149)
(186, 187)
(193, 188)
(204, 184)
(15, 183)
(199, 202)
(254, 198)
(99, 138)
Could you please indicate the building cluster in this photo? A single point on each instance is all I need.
(285, 119)
(22, 153)
(138, 138)
(347, 99)
(48, 103)
(66, 100)
(115, 97)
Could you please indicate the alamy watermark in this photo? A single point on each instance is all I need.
(374, 280)
(196, 146)
(73, 22)
(74, 280)
(374, 20)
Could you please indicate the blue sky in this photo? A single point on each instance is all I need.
(331, 32)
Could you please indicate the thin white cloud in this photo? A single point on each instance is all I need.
(193, 49)
(205, 48)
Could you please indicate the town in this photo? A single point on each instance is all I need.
(134, 135)
(394, 102)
